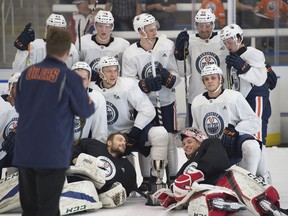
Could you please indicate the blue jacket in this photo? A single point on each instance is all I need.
(49, 95)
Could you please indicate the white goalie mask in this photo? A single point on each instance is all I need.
(56, 20)
(107, 61)
(231, 31)
(142, 20)
(82, 65)
(205, 16)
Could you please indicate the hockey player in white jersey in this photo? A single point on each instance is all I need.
(93, 47)
(31, 51)
(97, 123)
(137, 64)
(202, 48)
(248, 74)
(225, 114)
(130, 111)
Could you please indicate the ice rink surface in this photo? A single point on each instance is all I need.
(277, 160)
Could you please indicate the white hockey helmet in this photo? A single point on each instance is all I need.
(192, 132)
(142, 20)
(231, 31)
(205, 16)
(56, 20)
(12, 80)
(105, 17)
(211, 69)
(107, 61)
(82, 65)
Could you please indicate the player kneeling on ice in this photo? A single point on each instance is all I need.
(206, 187)
(94, 182)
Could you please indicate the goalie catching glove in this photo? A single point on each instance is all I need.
(233, 60)
(229, 139)
(114, 197)
(90, 168)
(26, 36)
(181, 40)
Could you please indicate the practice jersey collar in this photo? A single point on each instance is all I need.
(93, 38)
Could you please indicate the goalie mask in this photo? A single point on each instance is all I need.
(143, 20)
(232, 31)
(192, 132)
(83, 66)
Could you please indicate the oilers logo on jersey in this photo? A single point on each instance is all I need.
(213, 124)
(112, 113)
(108, 166)
(11, 126)
(206, 58)
(147, 69)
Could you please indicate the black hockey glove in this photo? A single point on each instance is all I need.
(271, 77)
(182, 40)
(26, 36)
(233, 60)
(8, 143)
(229, 139)
(150, 84)
(168, 79)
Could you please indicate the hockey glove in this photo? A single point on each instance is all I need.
(182, 185)
(233, 60)
(271, 77)
(182, 40)
(26, 36)
(168, 79)
(229, 139)
(165, 197)
(150, 84)
(8, 143)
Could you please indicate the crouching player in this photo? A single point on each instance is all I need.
(93, 182)
(234, 188)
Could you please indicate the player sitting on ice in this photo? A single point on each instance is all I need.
(99, 180)
(235, 188)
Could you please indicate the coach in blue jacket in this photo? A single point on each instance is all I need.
(48, 97)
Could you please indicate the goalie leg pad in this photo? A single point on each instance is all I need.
(249, 188)
(9, 193)
(79, 196)
(158, 138)
(88, 167)
(114, 197)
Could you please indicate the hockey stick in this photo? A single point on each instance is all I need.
(228, 70)
(79, 34)
(185, 80)
(92, 12)
(159, 43)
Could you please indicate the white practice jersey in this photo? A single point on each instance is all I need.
(202, 53)
(37, 53)
(213, 115)
(8, 119)
(136, 63)
(121, 101)
(91, 52)
(97, 123)
(257, 74)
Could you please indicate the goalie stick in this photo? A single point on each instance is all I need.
(154, 51)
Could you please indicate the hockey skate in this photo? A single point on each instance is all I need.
(225, 205)
(269, 208)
